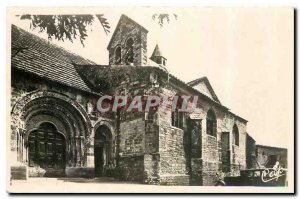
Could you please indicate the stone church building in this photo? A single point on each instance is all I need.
(57, 131)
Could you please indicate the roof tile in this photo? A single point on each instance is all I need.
(46, 60)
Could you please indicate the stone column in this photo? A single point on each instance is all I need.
(78, 151)
(73, 148)
(82, 147)
(18, 170)
(90, 153)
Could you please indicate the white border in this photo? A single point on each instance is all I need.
(55, 3)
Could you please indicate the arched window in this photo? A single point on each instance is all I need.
(211, 123)
(235, 135)
(178, 117)
(129, 54)
(118, 55)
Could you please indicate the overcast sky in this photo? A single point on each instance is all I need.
(247, 55)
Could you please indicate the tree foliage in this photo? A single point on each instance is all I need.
(71, 27)
(61, 27)
(161, 18)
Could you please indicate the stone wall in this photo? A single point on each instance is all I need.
(212, 160)
(152, 156)
(204, 168)
(132, 137)
(250, 152)
(132, 149)
(131, 168)
(173, 163)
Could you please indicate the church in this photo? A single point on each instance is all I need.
(57, 131)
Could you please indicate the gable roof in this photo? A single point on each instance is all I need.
(128, 20)
(208, 85)
(35, 55)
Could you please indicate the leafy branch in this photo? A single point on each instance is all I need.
(161, 18)
(69, 27)
(63, 27)
(104, 23)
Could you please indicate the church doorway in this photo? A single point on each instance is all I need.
(46, 151)
(102, 150)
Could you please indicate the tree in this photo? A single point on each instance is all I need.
(70, 27)
(63, 27)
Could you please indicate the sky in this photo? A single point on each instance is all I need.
(246, 53)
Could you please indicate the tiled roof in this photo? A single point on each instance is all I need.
(35, 55)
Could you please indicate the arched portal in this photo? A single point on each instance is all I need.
(103, 150)
(47, 150)
(44, 119)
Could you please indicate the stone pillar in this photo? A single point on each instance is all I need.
(82, 151)
(24, 154)
(73, 148)
(90, 154)
(18, 170)
(78, 151)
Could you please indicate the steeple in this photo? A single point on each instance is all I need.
(128, 44)
(158, 57)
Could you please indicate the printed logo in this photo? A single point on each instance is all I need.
(273, 174)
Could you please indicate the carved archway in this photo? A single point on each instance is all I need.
(46, 106)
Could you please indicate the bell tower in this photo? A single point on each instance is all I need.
(128, 44)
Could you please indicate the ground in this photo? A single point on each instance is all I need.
(108, 185)
(81, 185)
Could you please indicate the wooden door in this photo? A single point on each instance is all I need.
(47, 151)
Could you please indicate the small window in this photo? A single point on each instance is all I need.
(159, 60)
(129, 54)
(235, 135)
(178, 119)
(211, 123)
(118, 56)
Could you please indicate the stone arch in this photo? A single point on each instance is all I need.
(107, 123)
(48, 106)
(129, 51)
(17, 108)
(104, 148)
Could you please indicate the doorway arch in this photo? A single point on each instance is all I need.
(66, 115)
(103, 150)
